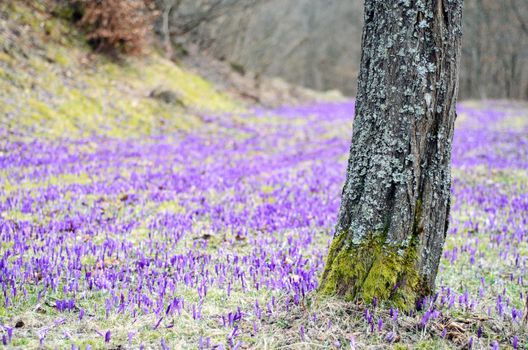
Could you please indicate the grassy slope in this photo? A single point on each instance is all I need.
(52, 85)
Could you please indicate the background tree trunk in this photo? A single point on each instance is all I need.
(395, 202)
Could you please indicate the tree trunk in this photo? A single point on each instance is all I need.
(395, 202)
(165, 30)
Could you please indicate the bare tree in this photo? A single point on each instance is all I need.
(197, 12)
(395, 202)
(519, 16)
(166, 7)
(179, 17)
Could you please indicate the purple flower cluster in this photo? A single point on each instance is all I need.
(244, 206)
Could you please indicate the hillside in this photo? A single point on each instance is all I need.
(63, 88)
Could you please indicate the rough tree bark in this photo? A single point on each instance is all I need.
(395, 202)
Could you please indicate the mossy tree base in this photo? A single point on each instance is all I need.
(371, 270)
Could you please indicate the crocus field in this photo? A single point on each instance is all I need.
(216, 238)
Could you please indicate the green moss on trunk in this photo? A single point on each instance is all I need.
(375, 269)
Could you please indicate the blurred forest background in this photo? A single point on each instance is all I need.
(317, 43)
